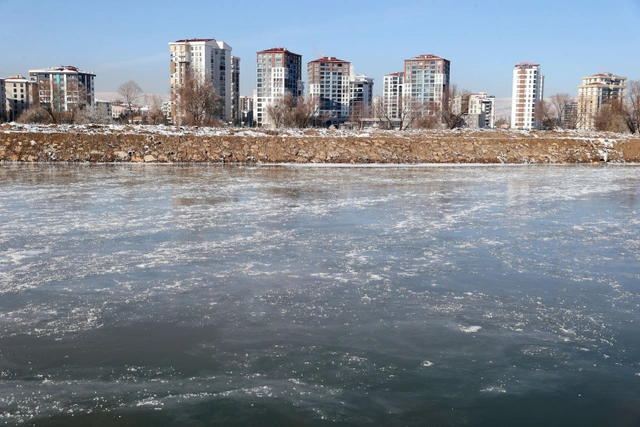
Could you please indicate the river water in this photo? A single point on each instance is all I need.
(151, 295)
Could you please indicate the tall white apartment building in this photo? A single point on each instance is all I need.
(20, 94)
(528, 88)
(481, 111)
(426, 77)
(278, 72)
(329, 86)
(65, 87)
(207, 60)
(360, 92)
(392, 95)
(595, 91)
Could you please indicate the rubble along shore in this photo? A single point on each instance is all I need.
(175, 144)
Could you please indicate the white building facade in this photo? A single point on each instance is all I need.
(278, 72)
(392, 95)
(481, 111)
(527, 91)
(360, 94)
(207, 60)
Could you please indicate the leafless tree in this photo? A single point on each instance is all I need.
(291, 111)
(455, 106)
(62, 104)
(359, 111)
(197, 102)
(130, 92)
(155, 116)
(632, 107)
(560, 103)
(611, 116)
(544, 114)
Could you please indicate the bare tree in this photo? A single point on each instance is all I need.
(544, 114)
(560, 105)
(359, 111)
(197, 102)
(155, 115)
(291, 111)
(611, 116)
(130, 92)
(632, 107)
(455, 106)
(62, 104)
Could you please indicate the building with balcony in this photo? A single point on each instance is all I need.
(392, 95)
(235, 89)
(64, 88)
(426, 78)
(360, 95)
(329, 86)
(596, 91)
(527, 91)
(278, 72)
(481, 113)
(207, 60)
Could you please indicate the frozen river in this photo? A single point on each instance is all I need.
(284, 295)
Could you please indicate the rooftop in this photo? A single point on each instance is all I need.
(278, 50)
(194, 40)
(331, 59)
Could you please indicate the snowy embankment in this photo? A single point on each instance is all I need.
(141, 143)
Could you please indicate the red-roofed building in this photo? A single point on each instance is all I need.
(278, 72)
(426, 77)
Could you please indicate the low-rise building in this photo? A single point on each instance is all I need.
(21, 93)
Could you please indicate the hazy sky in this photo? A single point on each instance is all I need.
(128, 40)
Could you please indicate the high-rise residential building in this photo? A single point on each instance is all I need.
(207, 60)
(426, 78)
(235, 89)
(360, 94)
(20, 94)
(594, 92)
(3, 102)
(392, 95)
(278, 72)
(329, 86)
(64, 88)
(570, 117)
(246, 110)
(528, 89)
(481, 112)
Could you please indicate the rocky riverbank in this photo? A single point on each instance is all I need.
(166, 144)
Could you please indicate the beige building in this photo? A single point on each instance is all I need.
(278, 72)
(481, 111)
(595, 91)
(64, 88)
(20, 94)
(207, 60)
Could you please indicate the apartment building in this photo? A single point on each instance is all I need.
(20, 94)
(64, 88)
(3, 102)
(235, 89)
(596, 91)
(360, 94)
(426, 77)
(246, 110)
(481, 112)
(527, 90)
(278, 72)
(392, 95)
(329, 86)
(207, 60)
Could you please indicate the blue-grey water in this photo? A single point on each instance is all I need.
(310, 296)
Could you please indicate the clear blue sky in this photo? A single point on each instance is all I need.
(128, 40)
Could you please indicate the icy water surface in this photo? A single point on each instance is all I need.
(310, 296)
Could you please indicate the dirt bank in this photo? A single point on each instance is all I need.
(97, 143)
